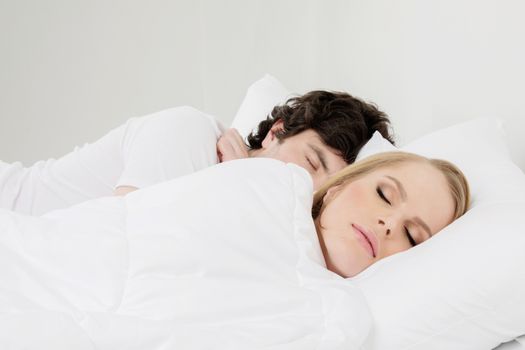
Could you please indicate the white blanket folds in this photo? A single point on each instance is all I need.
(227, 258)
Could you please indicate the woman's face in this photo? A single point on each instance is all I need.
(382, 213)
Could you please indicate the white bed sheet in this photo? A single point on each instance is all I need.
(173, 267)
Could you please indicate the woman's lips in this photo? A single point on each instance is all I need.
(367, 239)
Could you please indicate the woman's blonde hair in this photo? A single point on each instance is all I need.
(457, 182)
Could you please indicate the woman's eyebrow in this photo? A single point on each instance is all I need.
(403, 194)
(422, 224)
(400, 187)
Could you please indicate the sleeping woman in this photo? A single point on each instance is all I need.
(384, 205)
(235, 255)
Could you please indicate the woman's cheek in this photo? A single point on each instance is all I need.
(355, 198)
(345, 256)
(357, 193)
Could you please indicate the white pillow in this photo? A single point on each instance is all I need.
(259, 101)
(465, 288)
(376, 144)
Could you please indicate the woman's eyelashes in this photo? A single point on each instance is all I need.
(411, 239)
(382, 195)
(409, 236)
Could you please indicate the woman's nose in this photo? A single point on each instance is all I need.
(384, 226)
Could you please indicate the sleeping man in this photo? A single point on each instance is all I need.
(320, 131)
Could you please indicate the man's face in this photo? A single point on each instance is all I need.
(307, 150)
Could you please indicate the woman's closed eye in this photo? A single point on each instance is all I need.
(408, 235)
(382, 195)
(411, 239)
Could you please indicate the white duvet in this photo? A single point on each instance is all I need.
(226, 258)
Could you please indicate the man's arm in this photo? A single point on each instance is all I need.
(230, 146)
(165, 145)
(88, 172)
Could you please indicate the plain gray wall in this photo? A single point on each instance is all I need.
(72, 70)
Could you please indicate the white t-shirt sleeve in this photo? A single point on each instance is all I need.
(88, 172)
(142, 152)
(168, 144)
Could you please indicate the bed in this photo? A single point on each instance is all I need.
(146, 271)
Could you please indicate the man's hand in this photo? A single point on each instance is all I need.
(124, 190)
(231, 146)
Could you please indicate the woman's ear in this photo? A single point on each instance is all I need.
(270, 137)
(331, 193)
(327, 197)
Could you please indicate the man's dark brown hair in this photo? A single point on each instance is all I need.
(343, 122)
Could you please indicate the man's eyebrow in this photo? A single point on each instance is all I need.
(403, 193)
(320, 155)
